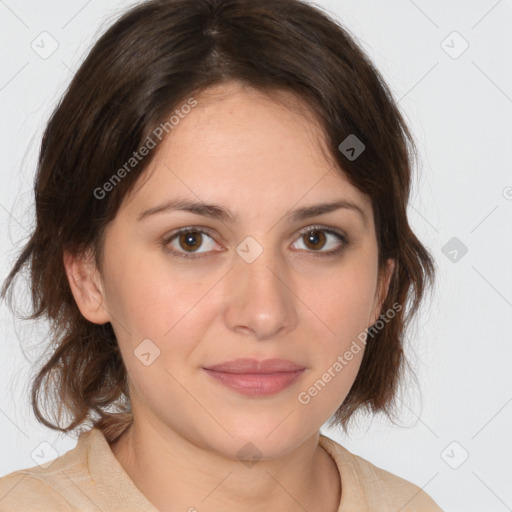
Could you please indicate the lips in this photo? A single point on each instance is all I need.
(255, 378)
(253, 366)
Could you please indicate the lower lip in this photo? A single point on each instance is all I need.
(256, 384)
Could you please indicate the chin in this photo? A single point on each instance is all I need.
(263, 440)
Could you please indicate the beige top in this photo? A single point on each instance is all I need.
(89, 478)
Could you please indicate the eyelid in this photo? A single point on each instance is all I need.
(187, 256)
(344, 240)
(323, 227)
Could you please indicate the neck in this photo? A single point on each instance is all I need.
(175, 473)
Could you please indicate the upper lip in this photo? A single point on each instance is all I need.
(246, 365)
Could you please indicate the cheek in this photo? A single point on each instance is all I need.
(344, 300)
(340, 314)
(150, 301)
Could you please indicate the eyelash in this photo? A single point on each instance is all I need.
(345, 242)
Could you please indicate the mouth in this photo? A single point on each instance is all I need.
(248, 365)
(256, 384)
(256, 378)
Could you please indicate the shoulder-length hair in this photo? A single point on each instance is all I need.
(141, 69)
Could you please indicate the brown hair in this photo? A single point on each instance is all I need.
(158, 53)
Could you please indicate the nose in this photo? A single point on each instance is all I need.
(260, 301)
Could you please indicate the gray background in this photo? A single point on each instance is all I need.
(459, 106)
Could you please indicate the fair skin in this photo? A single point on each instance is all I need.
(260, 160)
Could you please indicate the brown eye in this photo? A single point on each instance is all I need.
(190, 240)
(323, 241)
(314, 239)
(189, 243)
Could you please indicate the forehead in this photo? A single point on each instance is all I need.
(242, 122)
(240, 145)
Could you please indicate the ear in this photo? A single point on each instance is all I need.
(86, 286)
(382, 289)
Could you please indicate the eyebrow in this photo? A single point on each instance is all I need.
(218, 212)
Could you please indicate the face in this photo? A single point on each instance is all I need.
(261, 282)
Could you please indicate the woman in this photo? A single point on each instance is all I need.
(223, 250)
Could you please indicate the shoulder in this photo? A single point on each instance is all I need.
(22, 490)
(377, 488)
(49, 487)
